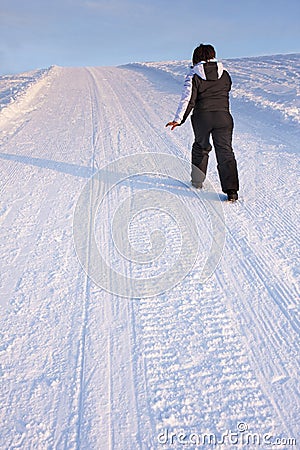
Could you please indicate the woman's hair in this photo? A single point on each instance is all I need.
(204, 52)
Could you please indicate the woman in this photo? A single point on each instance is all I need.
(206, 92)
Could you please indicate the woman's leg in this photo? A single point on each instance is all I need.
(201, 147)
(222, 139)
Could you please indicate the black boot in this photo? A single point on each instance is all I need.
(232, 195)
(197, 185)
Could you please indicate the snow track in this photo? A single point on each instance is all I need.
(81, 368)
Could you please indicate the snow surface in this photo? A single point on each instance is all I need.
(84, 368)
(13, 86)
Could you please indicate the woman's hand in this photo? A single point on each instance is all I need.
(172, 125)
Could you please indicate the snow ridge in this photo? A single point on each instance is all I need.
(18, 92)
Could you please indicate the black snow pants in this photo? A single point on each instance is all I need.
(218, 124)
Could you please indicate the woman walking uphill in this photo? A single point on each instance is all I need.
(206, 92)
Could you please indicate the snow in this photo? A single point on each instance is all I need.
(13, 86)
(90, 358)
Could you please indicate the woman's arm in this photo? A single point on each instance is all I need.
(185, 97)
(187, 101)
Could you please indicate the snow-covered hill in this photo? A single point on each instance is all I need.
(88, 360)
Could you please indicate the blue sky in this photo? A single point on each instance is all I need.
(39, 33)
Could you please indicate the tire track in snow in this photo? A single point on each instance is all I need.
(262, 322)
(80, 373)
(267, 311)
(119, 388)
(198, 373)
(262, 261)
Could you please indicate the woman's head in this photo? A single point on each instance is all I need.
(204, 52)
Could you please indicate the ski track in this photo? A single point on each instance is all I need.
(82, 368)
